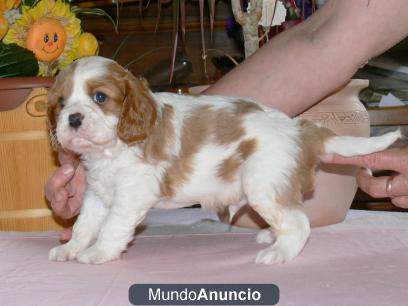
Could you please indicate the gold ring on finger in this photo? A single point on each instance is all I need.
(388, 186)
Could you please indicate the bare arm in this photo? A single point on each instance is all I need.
(301, 66)
(304, 64)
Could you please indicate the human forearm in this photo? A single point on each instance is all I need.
(302, 65)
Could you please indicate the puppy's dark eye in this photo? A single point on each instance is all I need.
(61, 102)
(100, 97)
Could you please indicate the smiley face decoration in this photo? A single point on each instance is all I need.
(47, 39)
(51, 30)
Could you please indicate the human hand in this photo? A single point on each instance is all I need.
(395, 187)
(65, 188)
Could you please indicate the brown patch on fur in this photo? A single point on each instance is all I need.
(227, 128)
(195, 133)
(61, 89)
(138, 114)
(311, 142)
(224, 125)
(161, 138)
(228, 169)
(228, 124)
(113, 89)
(243, 107)
(128, 98)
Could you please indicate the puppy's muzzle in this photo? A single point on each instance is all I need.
(75, 120)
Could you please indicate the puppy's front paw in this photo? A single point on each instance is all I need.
(63, 252)
(95, 255)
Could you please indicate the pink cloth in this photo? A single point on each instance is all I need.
(356, 263)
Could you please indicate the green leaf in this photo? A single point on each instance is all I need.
(30, 3)
(17, 61)
(122, 43)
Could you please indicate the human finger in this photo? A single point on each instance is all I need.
(374, 186)
(66, 234)
(57, 180)
(392, 159)
(78, 182)
(59, 204)
(67, 157)
(397, 186)
(383, 186)
(76, 190)
(400, 201)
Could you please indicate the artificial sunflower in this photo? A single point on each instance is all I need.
(51, 30)
(6, 8)
(6, 5)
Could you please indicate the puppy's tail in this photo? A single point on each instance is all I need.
(351, 146)
(327, 142)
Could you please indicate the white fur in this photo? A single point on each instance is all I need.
(123, 185)
(349, 146)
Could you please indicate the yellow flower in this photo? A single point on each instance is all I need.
(51, 31)
(6, 5)
(3, 26)
(88, 45)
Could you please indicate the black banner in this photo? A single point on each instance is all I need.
(203, 294)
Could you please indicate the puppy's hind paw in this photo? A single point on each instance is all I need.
(96, 256)
(62, 253)
(270, 255)
(280, 252)
(264, 236)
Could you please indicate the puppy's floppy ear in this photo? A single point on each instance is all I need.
(53, 110)
(52, 114)
(138, 114)
(55, 101)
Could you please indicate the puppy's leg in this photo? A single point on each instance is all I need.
(291, 228)
(265, 236)
(86, 228)
(283, 213)
(128, 210)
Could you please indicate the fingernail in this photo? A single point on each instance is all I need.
(326, 157)
(368, 170)
(68, 170)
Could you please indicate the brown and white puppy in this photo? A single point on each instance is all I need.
(163, 150)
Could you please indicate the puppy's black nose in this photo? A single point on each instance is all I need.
(75, 120)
